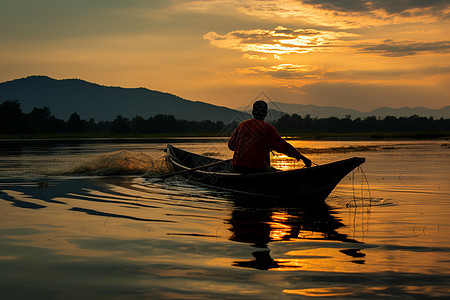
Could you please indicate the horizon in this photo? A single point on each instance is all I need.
(322, 53)
(241, 108)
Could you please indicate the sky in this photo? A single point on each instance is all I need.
(349, 53)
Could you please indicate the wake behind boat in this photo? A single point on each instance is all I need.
(307, 184)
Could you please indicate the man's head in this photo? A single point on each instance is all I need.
(259, 110)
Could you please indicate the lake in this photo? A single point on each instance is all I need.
(70, 228)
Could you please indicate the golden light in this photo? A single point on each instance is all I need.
(322, 292)
(279, 41)
(283, 162)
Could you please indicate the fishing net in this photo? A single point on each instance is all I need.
(121, 163)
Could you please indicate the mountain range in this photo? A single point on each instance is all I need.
(334, 111)
(104, 103)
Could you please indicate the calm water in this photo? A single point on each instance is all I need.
(119, 237)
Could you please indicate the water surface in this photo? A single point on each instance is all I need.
(383, 232)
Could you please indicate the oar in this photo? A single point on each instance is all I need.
(191, 169)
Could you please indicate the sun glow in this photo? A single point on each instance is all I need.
(279, 41)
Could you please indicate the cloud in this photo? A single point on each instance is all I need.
(394, 48)
(288, 71)
(291, 75)
(342, 14)
(254, 56)
(279, 41)
(257, 42)
(422, 32)
(394, 74)
(389, 6)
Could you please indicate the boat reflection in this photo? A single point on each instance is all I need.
(258, 222)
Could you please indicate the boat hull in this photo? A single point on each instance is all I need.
(309, 184)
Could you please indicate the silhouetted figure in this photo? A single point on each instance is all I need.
(253, 140)
(266, 223)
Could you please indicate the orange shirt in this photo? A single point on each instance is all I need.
(252, 142)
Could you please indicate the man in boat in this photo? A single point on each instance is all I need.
(253, 140)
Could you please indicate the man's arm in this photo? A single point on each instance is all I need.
(280, 145)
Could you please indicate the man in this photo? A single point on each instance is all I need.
(253, 140)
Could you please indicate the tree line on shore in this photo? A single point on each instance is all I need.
(13, 121)
(296, 124)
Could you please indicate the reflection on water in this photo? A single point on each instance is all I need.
(260, 226)
(122, 236)
(257, 222)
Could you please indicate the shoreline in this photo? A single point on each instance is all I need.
(371, 136)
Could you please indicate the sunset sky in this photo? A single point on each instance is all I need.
(349, 53)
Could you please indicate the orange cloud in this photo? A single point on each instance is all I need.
(279, 41)
(288, 71)
(340, 14)
(394, 48)
(300, 75)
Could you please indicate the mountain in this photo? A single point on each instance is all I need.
(313, 110)
(333, 111)
(103, 103)
(408, 111)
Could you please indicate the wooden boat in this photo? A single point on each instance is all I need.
(308, 184)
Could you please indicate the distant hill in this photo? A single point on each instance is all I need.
(333, 111)
(313, 110)
(103, 103)
(408, 111)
